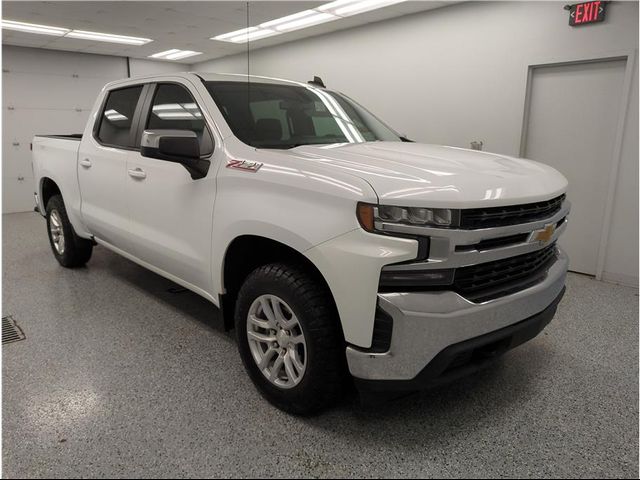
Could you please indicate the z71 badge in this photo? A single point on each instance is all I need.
(246, 165)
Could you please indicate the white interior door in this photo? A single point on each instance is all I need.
(571, 125)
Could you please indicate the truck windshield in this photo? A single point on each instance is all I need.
(266, 115)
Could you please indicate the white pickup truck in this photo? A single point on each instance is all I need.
(335, 247)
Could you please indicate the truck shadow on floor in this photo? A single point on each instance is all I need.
(191, 306)
(504, 382)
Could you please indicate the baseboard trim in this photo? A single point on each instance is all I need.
(620, 278)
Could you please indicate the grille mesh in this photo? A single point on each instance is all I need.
(475, 218)
(490, 280)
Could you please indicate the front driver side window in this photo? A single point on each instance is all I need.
(173, 108)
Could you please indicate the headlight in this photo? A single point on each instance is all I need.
(372, 216)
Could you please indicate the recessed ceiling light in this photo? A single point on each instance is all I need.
(107, 37)
(325, 13)
(34, 28)
(175, 54)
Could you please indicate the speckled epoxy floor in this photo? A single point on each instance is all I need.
(118, 378)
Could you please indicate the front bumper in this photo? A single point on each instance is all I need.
(426, 324)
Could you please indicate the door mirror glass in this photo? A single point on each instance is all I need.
(179, 146)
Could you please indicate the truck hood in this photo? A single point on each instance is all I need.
(439, 176)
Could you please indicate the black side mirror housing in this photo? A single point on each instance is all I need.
(179, 146)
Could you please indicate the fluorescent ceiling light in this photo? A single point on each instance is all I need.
(253, 36)
(164, 54)
(65, 32)
(182, 54)
(175, 54)
(33, 28)
(177, 111)
(107, 37)
(353, 8)
(176, 115)
(307, 18)
(306, 21)
(235, 33)
(245, 34)
(114, 115)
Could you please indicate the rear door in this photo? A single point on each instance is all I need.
(102, 166)
(171, 213)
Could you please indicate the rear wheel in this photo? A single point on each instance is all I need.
(69, 249)
(289, 339)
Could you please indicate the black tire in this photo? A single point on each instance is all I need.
(77, 251)
(325, 378)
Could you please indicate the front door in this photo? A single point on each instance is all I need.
(171, 213)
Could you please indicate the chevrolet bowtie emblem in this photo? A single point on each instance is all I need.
(544, 235)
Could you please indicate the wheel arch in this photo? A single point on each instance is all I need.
(47, 189)
(247, 252)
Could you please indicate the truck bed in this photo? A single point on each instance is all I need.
(55, 158)
(73, 136)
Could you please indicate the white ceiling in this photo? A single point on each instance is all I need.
(186, 25)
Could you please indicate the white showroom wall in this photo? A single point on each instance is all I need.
(458, 74)
(140, 67)
(51, 92)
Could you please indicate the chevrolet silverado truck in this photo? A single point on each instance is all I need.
(338, 249)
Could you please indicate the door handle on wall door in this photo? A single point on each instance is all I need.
(85, 162)
(137, 173)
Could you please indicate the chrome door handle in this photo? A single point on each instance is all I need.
(137, 173)
(85, 162)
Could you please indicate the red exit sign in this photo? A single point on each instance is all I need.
(587, 12)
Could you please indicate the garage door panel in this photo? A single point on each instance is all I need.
(17, 195)
(16, 139)
(87, 89)
(42, 93)
(63, 63)
(41, 122)
(16, 161)
(26, 90)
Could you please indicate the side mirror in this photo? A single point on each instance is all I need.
(179, 146)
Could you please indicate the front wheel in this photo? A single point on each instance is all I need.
(290, 340)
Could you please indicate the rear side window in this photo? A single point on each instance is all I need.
(117, 116)
(173, 108)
